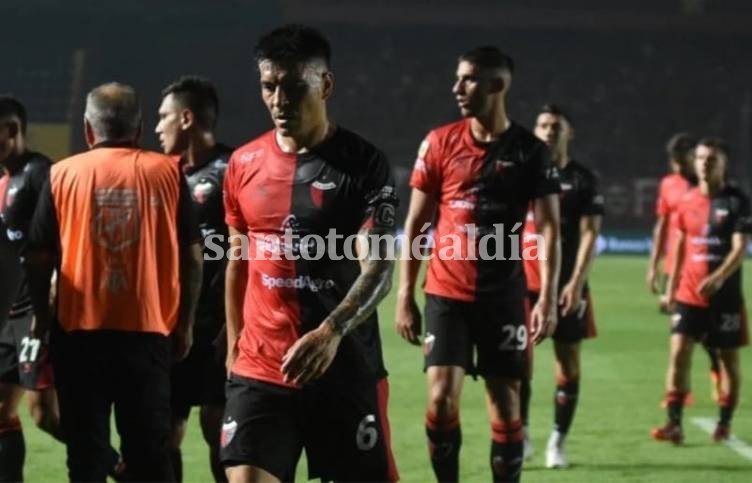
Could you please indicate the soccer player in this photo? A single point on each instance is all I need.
(24, 363)
(304, 350)
(581, 208)
(680, 150)
(11, 270)
(705, 286)
(118, 222)
(187, 121)
(478, 175)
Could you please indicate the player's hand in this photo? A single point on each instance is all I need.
(652, 280)
(311, 355)
(408, 321)
(542, 320)
(182, 340)
(570, 298)
(710, 285)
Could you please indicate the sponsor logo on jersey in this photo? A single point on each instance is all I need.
(202, 191)
(720, 215)
(250, 156)
(302, 282)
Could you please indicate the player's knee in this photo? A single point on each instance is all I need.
(442, 401)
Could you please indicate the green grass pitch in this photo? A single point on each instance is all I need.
(622, 384)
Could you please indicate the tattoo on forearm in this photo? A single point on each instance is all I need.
(369, 289)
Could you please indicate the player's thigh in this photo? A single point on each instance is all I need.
(347, 433)
(261, 428)
(500, 334)
(249, 474)
(10, 397)
(447, 339)
(445, 387)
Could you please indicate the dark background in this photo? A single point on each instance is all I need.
(631, 72)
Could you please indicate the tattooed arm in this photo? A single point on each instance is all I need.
(313, 353)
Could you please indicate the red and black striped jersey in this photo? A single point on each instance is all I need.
(339, 187)
(481, 188)
(708, 224)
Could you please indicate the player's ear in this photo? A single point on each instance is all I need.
(327, 86)
(89, 133)
(186, 119)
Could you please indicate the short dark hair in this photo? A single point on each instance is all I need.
(489, 57)
(10, 106)
(717, 143)
(199, 95)
(679, 145)
(556, 110)
(293, 43)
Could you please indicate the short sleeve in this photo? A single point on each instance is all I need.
(380, 196)
(681, 216)
(544, 174)
(233, 215)
(744, 218)
(426, 175)
(593, 200)
(187, 222)
(44, 230)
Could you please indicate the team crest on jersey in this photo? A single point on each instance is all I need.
(228, 432)
(202, 191)
(317, 191)
(720, 215)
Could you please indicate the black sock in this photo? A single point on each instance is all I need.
(176, 460)
(444, 441)
(565, 404)
(506, 452)
(12, 452)
(727, 405)
(675, 406)
(525, 393)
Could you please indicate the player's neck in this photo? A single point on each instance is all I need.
(561, 159)
(486, 129)
(676, 168)
(709, 189)
(305, 141)
(200, 150)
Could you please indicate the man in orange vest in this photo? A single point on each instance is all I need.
(118, 222)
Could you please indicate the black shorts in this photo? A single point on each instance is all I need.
(198, 380)
(486, 338)
(574, 327)
(344, 430)
(717, 329)
(24, 360)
